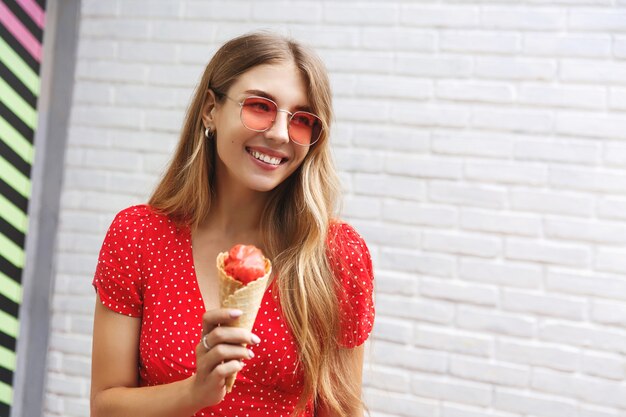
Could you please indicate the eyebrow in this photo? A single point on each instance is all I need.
(265, 94)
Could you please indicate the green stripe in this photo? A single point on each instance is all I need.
(8, 324)
(10, 289)
(13, 215)
(16, 141)
(11, 251)
(6, 393)
(7, 358)
(17, 105)
(18, 67)
(13, 177)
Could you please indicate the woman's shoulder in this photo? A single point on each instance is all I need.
(141, 216)
(347, 248)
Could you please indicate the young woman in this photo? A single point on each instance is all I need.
(253, 166)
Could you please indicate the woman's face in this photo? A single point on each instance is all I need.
(259, 161)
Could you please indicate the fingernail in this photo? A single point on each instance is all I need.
(255, 339)
(235, 313)
(250, 354)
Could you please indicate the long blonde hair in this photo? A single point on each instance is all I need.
(295, 221)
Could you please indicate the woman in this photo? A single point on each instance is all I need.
(253, 166)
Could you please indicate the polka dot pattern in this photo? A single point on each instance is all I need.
(145, 269)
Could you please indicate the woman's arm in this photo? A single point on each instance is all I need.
(115, 371)
(356, 362)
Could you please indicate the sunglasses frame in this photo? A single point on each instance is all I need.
(241, 103)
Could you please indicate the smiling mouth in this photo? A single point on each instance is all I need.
(271, 160)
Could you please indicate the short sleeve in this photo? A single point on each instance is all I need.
(118, 277)
(352, 264)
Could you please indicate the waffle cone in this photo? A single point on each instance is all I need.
(247, 298)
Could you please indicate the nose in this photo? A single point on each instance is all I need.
(279, 131)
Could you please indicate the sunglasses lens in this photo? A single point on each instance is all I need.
(258, 113)
(305, 128)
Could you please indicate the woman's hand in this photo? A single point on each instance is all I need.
(226, 350)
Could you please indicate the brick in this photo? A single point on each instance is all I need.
(391, 138)
(108, 71)
(535, 303)
(393, 86)
(377, 62)
(112, 27)
(459, 16)
(586, 283)
(590, 389)
(615, 154)
(327, 37)
(608, 312)
(398, 39)
(427, 114)
(151, 9)
(506, 172)
(569, 151)
(497, 222)
(451, 390)
(610, 260)
(88, 92)
(358, 160)
(583, 97)
(509, 274)
(195, 54)
(70, 344)
(475, 91)
(391, 186)
(277, 12)
(391, 282)
(588, 179)
(456, 410)
(104, 116)
(453, 340)
(612, 207)
(485, 144)
(419, 214)
(619, 46)
(515, 120)
(469, 195)
(494, 321)
(459, 291)
(533, 403)
(77, 407)
(411, 308)
(422, 167)
(399, 404)
(96, 49)
(185, 76)
(397, 236)
(78, 242)
(54, 403)
(617, 98)
(515, 68)
(77, 365)
(436, 67)
(595, 411)
(360, 110)
(66, 386)
(583, 335)
(218, 10)
(480, 42)
(481, 370)
(601, 20)
(603, 365)
(393, 330)
(100, 9)
(146, 52)
(596, 126)
(392, 354)
(164, 120)
(538, 354)
(547, 252)
(362, 207)
(466, 244)
(523, 18)
(593, 71)
(86, 179)
(387, 379)
(586, 230)
(568, 45)
(551, 202)
(384, 14)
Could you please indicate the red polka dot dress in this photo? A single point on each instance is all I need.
(145, 269)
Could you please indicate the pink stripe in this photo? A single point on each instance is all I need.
(34, 11)
(18, 30)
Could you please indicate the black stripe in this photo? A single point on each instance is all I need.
(19, 49)
(7, 341)
(25, 19)
(42, 3)
(17, 85)
(6, 376)
(5, 409)
(13, 196)
(14, 159)
(9, 306)
(12, 233)
(10, 270)
(16, 122)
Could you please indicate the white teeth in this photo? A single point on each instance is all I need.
(265, 158)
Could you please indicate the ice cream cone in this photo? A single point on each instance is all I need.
(247, 298)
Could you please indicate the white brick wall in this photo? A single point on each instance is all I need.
(481, 146)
